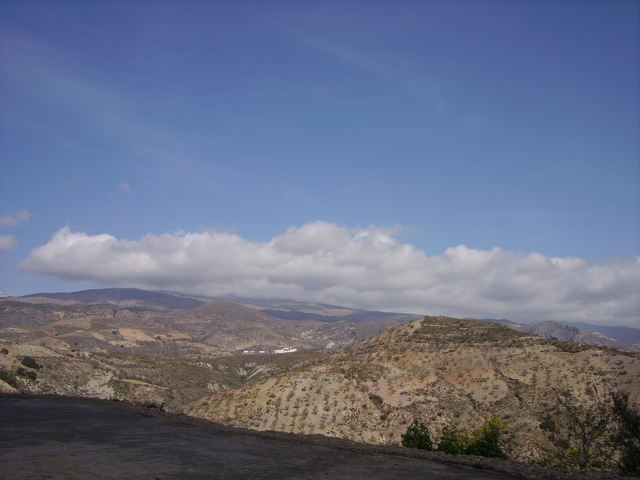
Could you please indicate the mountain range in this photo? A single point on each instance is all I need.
(628, 336)
(167, 323)
(354, 374)
(311, 322)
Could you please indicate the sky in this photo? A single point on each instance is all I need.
(467, 158)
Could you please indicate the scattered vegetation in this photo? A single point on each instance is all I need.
(444, 330)
(30, 374)
(602, 436)
(571, 347)
(485, 441)
(628, 435)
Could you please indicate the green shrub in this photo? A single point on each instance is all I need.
(26, 373)
(31, 363)
(628, 436)
(580, 433)
(485, 441)
(8, 378)
(417, 436)
(454, 441)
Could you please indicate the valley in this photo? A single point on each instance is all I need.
(353, 375)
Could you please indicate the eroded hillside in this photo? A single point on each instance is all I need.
(436, 369)
(148, 380)
(213, 328)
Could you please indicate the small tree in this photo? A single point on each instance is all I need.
(417, 436)
(486, 440)
(454, 441)
(581, 434)
(628, 435)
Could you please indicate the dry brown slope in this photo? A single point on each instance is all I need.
(96, 328)
(149, 380)
(236, 327)
(436, 369)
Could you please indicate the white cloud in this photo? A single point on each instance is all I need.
(122, 188)
(11, 220)
(363, 267)
(7, 242)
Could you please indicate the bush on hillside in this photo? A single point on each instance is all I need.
(417, 436)
(627, 416)
(453, 441)
(485, 441)
(31, 363)
(581, 434)
(26, 373)
(8, 377)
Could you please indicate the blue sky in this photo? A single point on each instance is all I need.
(477, 158)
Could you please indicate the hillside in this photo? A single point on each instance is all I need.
(436, 369)
(379, 377)
(148, 380)
(131, 298)
(150, 356)
(96, 329)
(570, 333)
(621, 334)
(138, 300)
(235, 327)
(218, 325)
(291, 310)
(311, 322)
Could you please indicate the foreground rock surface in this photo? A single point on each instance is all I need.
(74, 438)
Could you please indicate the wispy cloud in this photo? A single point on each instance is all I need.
(361, 267)
(11, 220)
(377, 64)
(123, 188)
(7, 242)
(50, 76)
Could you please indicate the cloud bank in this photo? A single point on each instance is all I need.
(361, 267)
